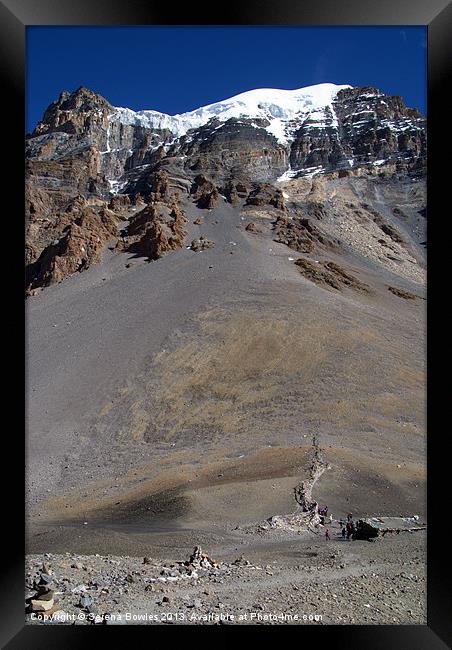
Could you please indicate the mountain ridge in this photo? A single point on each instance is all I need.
(270, 103)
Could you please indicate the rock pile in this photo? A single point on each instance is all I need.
(89, 588)
(200, 560)
(42, 596)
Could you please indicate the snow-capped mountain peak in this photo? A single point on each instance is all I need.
(275, 105)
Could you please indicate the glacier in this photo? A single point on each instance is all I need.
(279, 107)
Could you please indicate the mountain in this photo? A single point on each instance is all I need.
(86, 149)
(208, 291)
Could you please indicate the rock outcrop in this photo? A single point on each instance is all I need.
(403, 293)
(330, 274)
(302, 235)
(240, 148)
(204, 193)
(79, 247)
(156, 230)
(251, 227)
(266, 194)
(234, 191)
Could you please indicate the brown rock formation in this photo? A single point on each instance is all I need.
(302, 235)
(204, 193)
(330, 274)
(157, 230)
(79, 247)
(159, 185)
(119, 202)
(234, 191)
(251, 227)
(402, 293)
(208, 201)
(84, 150)
(266, 194)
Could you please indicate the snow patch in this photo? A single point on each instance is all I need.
(108, 149)
(116, 186)
(290, 173)
(309, 172)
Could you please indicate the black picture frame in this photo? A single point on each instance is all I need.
(15, 16)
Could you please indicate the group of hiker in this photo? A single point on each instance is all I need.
(348, 526)
(323, 514)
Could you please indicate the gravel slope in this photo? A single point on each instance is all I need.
(170, 402)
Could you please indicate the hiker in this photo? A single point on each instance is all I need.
(349, 529)
(327, 535)
(349, 516)
(124, 233)
(343, 532)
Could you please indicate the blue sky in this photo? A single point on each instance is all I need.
(177, 69)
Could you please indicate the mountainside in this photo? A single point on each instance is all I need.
(85, 152)
(207, 293)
